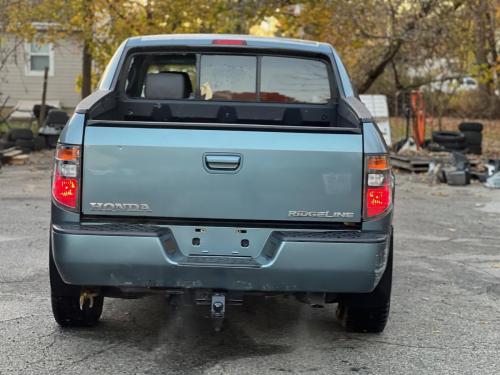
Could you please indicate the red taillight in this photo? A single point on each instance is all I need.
(66, 180)
(378, 186)
(230, 42)
(65, 190)
(377, 200)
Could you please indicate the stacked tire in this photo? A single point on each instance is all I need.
(5, 144)
(449, 140)
(472, 132)
(23, 139)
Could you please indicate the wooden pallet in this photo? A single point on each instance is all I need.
(19, 159)
(420, 163)
(13, 156)
(411, 163)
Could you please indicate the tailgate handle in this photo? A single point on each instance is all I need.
(220, 162)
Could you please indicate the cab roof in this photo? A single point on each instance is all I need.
(207, 40)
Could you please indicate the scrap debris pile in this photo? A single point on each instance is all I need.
(450, 157)
(17, 143)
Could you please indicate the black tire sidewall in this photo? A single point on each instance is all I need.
(19, 133)
(473, 138)
(471, 126)
(443, 137)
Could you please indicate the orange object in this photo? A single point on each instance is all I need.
(67, 153)
(418, 109)
(379, 163)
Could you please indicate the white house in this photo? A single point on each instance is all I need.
(21, 79)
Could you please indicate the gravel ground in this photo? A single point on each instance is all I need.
(445, 310)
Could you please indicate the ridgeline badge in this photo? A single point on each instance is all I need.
(119, 207)
(326, 214)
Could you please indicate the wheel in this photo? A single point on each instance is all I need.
(65, 300)
(368, 312)
(470, 126)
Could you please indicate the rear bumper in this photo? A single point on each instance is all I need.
(124, 255)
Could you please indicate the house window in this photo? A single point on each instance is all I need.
(39, 56)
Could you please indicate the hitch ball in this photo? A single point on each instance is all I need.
(218, 307)
(218, 310)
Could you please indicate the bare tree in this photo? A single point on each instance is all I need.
(9, 43)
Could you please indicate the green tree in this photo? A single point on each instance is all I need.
(101, 25)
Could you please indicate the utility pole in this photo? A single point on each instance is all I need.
(86, 53)
(41, 118)
(86, 70)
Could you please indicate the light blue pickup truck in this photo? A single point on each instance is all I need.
(215, 167)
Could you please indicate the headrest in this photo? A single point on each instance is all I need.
(56, 117)
(167, 85)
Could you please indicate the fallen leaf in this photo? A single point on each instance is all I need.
(440, 194)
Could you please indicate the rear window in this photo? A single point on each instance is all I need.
(224, 77)
(294, 80)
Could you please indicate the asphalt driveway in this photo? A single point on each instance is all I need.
(445, 310)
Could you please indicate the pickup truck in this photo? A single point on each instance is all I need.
(211, 168)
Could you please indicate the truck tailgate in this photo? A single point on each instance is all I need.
(222, 174)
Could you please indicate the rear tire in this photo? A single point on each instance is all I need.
(67, 312)
(368, 312)
(65, 300)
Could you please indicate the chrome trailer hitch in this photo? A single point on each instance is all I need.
(218, 307)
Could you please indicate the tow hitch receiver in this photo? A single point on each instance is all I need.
(87, 299)
(218, 310)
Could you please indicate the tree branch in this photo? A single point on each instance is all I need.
(398, 41)
(394, 48)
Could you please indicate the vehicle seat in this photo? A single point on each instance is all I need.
(168, 85)
(56, 119)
